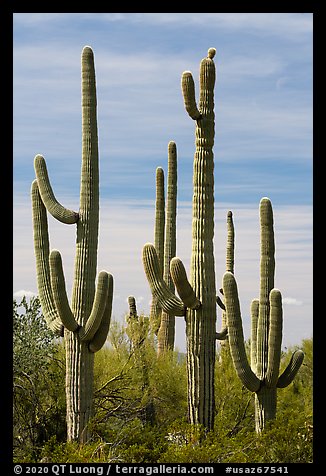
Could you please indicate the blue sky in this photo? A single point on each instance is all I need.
(263, 141)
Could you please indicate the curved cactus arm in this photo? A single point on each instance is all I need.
(222, 335)
(254, 312)
(170, 303)
(98, 308)
(184, 288)
(274, 338)
(291, 370)
(236, 338)
(188, 91)
(220, 303)
(102, 332)
(59, 292)
(41, 249)
(62, 214)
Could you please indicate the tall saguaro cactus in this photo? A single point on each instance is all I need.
(159, 227)
(166, 333)
(197, 301)
(262, 376)
(84, 323)
(229, 265)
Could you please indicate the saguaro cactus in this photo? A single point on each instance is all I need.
(166, 333)
(229, 265)
(84, 323)
(262, 377)
(197, 302)
(159, 227)
(137, 331)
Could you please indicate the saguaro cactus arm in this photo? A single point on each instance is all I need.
(291, 370)
(59, 292)
(179, 277)
(254, 312)
(62, 304)
(100, 336)
(99, 305)
(236, 338)
(58, 211)
(222, 335)
(230, 243)
(188, 90)
(160, 217)
(156, 310)
(274, 338)
(165, 297)
(219, 302)
(42, 251)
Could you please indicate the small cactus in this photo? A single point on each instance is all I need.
(229, 267)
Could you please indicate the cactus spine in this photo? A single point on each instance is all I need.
(262, 377)
(197, 302)
(86, 322)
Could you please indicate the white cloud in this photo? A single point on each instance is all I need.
(291, 301)
(293, 25)
(126, 226)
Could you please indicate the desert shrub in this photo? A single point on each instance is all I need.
(141, 407)
(234, 404)
(133, 384)
(38, 381)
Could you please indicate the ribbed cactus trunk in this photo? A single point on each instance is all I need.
(262, 375)
(137, 331)
(265, 398)
(201, 323)
(197, 302)
(80, 362)
(229, 267)
(166, 333)
(159, 228)
(86, 322)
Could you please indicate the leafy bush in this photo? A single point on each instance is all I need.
(141, 406)
(38, 381)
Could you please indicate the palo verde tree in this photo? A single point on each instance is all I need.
(85, 322)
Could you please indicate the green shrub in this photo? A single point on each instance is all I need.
(129, 382)
(38, 382)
